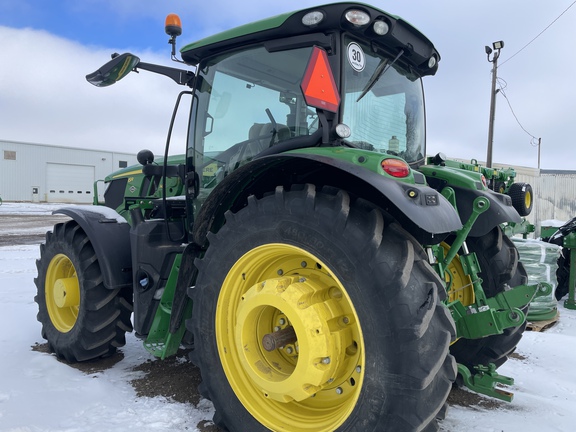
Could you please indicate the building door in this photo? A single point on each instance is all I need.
(69, 183)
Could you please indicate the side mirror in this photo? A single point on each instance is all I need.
(116, 69)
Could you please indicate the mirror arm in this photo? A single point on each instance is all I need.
(180, 76)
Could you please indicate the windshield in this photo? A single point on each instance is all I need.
(248, 101)
(389, 117)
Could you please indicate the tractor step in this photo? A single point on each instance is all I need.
(160, 342)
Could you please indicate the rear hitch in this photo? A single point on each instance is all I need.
(484, 381)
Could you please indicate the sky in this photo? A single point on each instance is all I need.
(47, 47)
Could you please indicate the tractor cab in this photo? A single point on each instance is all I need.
(341, 75)
(344, 76)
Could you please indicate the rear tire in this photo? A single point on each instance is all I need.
(81, 319)
(365, 306)
(498, 259)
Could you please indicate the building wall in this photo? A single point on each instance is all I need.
(44, 173)
(554, 194)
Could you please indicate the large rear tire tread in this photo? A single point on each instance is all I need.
(396, 294)
(498, 259)
(103, 314)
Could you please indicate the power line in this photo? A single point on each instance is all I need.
(502, 84)
(538, 35)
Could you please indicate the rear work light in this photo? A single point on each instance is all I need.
(395, 167)
(357, 17)
(312, 18)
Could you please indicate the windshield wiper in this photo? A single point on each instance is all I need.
(380, 70)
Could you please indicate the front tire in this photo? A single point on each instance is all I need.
(370, 336)
(81, 319)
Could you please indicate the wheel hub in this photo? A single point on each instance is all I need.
(66, 292)
(307, 308)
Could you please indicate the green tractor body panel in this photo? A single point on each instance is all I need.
(454, 177)
(364, 159)
(129, 185)
(499, 179)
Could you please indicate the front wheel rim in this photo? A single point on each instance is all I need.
(312, 382)
(62, 293)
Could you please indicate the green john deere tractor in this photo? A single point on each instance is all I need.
(324, 275)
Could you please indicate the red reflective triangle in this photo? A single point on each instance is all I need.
(318, 85)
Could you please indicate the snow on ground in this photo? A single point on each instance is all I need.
(13, 208)
(40, 394)
(544, 388)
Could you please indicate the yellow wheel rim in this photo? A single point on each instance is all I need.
(62, 293)
(527, 200)
(458, 282)
(312, 382)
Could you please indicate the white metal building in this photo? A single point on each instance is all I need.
(46, 173)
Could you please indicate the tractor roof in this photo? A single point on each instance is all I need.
(401, 35)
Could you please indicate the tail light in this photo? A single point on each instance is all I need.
(396, 167)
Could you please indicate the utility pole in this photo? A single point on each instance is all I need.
(497, 47)
(539, 144)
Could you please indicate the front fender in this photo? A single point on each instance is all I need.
(109, 234)
(422, 211)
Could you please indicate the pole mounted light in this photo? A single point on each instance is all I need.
(495, 50)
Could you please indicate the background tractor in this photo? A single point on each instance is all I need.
(323, 274)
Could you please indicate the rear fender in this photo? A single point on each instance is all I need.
(109, 234)
(421, 210)
(500, 210)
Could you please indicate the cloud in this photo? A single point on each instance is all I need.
(45, 98)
